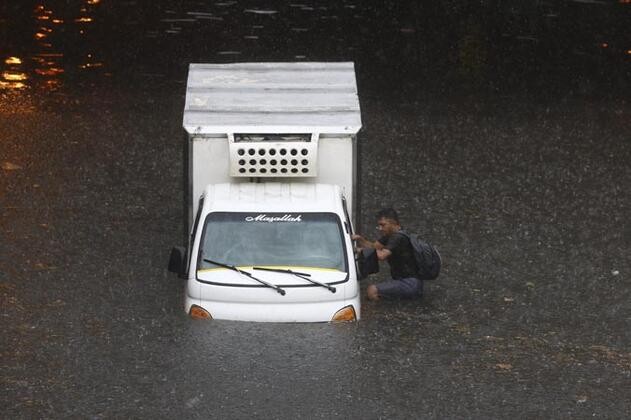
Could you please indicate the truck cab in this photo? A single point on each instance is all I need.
(271, 173)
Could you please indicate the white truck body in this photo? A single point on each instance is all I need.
(272, 159)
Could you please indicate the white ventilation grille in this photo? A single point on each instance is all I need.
(273, 158)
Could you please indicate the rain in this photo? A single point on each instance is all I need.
(500, 131)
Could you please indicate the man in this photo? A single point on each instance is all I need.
(395, 248)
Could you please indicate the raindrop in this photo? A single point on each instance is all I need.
(218, 18)
(260, 11)
(177, 20)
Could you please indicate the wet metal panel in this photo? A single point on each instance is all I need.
(272, 98)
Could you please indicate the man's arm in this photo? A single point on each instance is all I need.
(365, 243)
(382, 252)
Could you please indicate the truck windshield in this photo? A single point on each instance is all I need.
(311, 240)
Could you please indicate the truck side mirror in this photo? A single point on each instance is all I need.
(177, 260)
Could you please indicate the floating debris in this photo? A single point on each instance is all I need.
(504, 366)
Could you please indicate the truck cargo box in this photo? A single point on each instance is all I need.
(271, 121)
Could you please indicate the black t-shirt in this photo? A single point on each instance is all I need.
(402, 263)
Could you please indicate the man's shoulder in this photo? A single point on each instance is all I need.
(396, 239)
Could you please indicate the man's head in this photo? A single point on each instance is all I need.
(388, 221)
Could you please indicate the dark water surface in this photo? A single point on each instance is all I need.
(499, 45)
(500, 131)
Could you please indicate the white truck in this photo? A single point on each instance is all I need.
(271, 192)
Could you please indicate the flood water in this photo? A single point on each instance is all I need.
(501, 131)
(498, 44)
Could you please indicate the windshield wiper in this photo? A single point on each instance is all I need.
(245, 273)
(304, 276)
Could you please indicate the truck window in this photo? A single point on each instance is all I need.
(348, 219)
(194, 230)
(197, 217)
(308, 240)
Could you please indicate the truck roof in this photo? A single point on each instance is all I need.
(273, 197)
(272, 98)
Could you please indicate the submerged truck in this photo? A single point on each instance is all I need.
(271, 192)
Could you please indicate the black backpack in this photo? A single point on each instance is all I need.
(428, 261)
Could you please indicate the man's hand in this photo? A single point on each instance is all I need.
(362, 242)
(383, 254)
(365, 243)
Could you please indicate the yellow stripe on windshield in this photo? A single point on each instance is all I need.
(274, 267)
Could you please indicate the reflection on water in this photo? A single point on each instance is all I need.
(13, 77)
(57, 41)
(55, 29)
